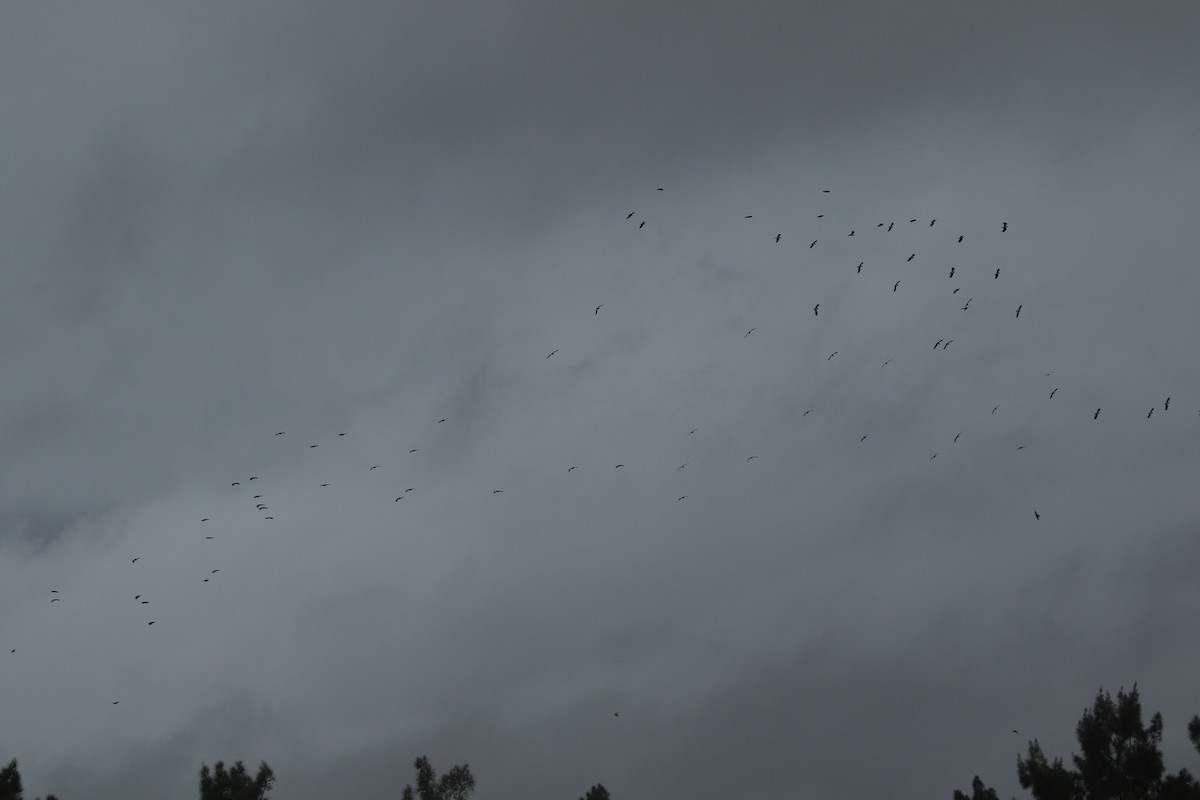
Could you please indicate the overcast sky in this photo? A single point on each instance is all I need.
(221, 221)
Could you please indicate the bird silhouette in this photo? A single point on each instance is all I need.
(860, 265)
(956, 437)
(817, 310)
(618, 466)
(935, 344)
(205, 519)
(498, 491)
(863, 439)
(932, 457)
(1151, 411)
(235, 483)
(1167, 404)
(597, 312)
(931, 222)
(778, 236)
(994, 409)
(910, 258)
(630, 215)
(960, 240)
(890, 224)
(967, 304)
(947, 344)
(1096, 415)
(748, 332)
(896, 286)
(751, 457)
(443, 419)
(952, 272)
(642, 225)
(1019, 310)
(681, 466)
(693, 430)
(814, 243)
(281, 433)
(1052, 393)
(139, 558)
(1004, 228)
(151, 622)
(831, 355)
(806, 413)
(410, 452)
(268, 518)
(997, 275)
(398, 499)
(552, 353)
(377, 466)
(255, 477)
(1036, 515)
(313, 445)
(56, 600)
(571, 468)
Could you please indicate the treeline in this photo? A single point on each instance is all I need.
(236, 783)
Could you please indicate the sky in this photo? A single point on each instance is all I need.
(531, 287)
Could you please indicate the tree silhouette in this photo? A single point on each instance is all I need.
(457, 784)
(10, 783)
(1119, 759)
(236, 783)
(597, 792)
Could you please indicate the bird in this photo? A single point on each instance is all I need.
(693, 430)
(377, 466)
(597, 312)
(618, 466)
(1016, 731)
(1096, 415)
(660, 188)
(960, 240)
(115, 702)
(947, 344)
(997, 275)
(748, 216)
(571, 468)
(205, 519)
(137, 597)
(313, 445)
(677, 499)
(952, 271)
(896, 286)
(935, 344)
(145, 602)
(56, 600)
(681, 466)
(851, 233)
(208, 537)
(778, 236)
(323, 485)
(135, 560)
(552, 353)
(235, 483)
(884, 364)
(806, 413)
(831, 355)
(1022, 447)
(630, 215)
(967, 304)
(955, 291)
(814, 243)
(890, 224)
(824, 191)
(410, 489)
(281, 433)
(1004, 227)
(268, 518)
(1167, 404)
(1019, 310)
(751, 457)
(398, 499)
(443, 419)
(151, 622)
(860, 265)
(410, 452)
(748, 332)
(994, 409)
(498, 491)
(863, 439)
(1036, 515)
(256, 497)
(817, 310)
(956, 436)
(932, 457)
(1151, 411)
(1052, 393)
(643, 224)
(931, 222)
(215, 571)
(255, 477)
(910, 258)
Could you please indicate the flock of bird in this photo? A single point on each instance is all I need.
(248, 489)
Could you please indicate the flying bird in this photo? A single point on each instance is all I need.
(806, 413)
(956, 436)
(410, 452)
(955, 291)
(910, 258)
(851, 233)
(825, 191)
(630, 215)
(863, 439)
(571, 468)
(748, 332)
(935, 344)
(681, 466)
(1151, 411)
(890, 224)
(947, 344)
(323, 485)
(151, 622)
(443, 419)
(313, 445)
(1036, 515)
(952, 272)
(778, 236)
(831, 355)
(255, 477)
(377, 466)
(235, 483)
(814, 243)
(1052, 393)
(204, 520)
(498, 491)
(1167, 404)
(817, 310)
(281, 433)
(860, 266)
(398, 499)
(912, 220)
(896, 286)
(884, 364)
(137, 597)
(994, 409)
(931, 222)
(1004, 228)
(56, 600)
(967, 304)
(139, 558)
(748, 459)
(643, 224)
(1019, 310)
(215, 571)
(677, 499)
(268, 518)
(693, 430)
(552, 353)
(960, 240)
(932, 457)
(618, 466)
(1096, 415)
(596, 314)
